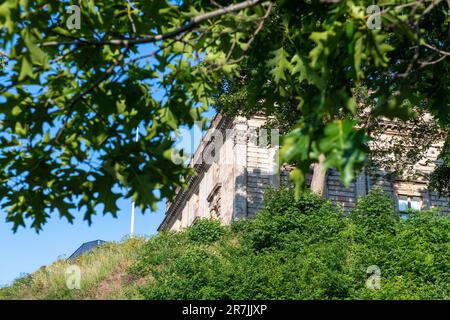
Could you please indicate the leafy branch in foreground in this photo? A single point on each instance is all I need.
(72, 98)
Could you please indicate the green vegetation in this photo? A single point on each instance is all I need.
(294, 249)
(71, 97)
(103, 272)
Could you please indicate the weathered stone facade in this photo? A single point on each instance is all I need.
(231, 181)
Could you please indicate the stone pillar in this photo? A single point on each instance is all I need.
(240, 168)
(274, 158)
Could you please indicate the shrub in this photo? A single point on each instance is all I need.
(302, 248)
(305, 249)
(284, 219)
(205, 231)
(375, 213)
(157, 251)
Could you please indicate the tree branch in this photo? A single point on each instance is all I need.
(445, 53)
(80, 97)
(159, 37)
(252, 39)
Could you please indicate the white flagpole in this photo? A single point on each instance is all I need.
(132, 204)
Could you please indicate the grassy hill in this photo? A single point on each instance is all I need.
(103, 275)
(303, 248)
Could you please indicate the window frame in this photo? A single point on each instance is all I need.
(410, 201)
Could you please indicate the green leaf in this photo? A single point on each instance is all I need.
(279, 65)
(26, 69)
(20, 129)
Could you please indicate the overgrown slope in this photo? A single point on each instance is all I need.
(293, 249)
(103, 275)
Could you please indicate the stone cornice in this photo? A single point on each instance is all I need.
(220, 122)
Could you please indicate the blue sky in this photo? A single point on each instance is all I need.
(26, 251)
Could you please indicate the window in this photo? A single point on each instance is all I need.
(214, 202)
(408, 203)
(194, 206)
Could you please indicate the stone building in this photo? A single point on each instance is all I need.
(237, 160)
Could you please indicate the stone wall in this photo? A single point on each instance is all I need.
(246, 164)
(260, 165)
(337, 192)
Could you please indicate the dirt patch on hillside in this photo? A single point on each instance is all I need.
(115, 285)
(112, 286)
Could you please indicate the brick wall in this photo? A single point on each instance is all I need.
(337, 192)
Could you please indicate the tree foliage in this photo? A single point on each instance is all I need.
(72, 98)
(440, 178)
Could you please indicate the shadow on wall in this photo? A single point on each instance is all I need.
(249, 196)
(250, 188)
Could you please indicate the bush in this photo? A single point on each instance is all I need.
(285, 219)
(205, 231)
(375, 213)
(304, 249)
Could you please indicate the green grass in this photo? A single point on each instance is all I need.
(103, 276)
